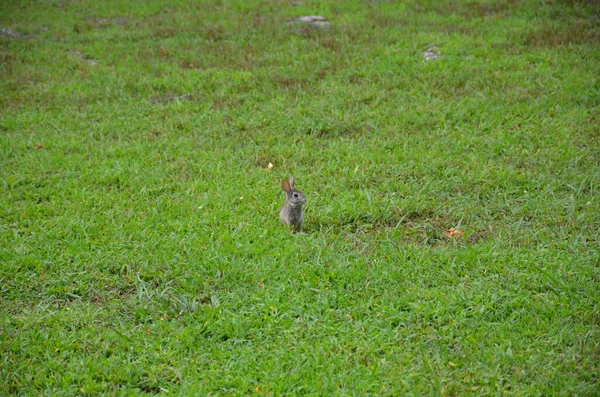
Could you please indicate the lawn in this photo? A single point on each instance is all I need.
(142, 148)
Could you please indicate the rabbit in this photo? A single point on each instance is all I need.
(292, 213)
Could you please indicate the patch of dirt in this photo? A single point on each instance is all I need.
(12, 34)
(212, 32)
(472, 9)
(556, 35)
(79, 55)
(416, 227)
(337, 131)
(108, 22)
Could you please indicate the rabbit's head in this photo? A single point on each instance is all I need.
(294, 197)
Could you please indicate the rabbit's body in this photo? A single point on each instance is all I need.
(292, 212)
(292, 216)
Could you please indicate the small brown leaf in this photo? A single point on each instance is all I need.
(454, 232)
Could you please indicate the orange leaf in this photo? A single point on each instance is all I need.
(454, 232)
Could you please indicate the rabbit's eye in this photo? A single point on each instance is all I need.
(296, 195)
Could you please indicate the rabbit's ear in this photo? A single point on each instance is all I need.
(285, 185)
(291, 181)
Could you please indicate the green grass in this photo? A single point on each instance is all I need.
(140, 247)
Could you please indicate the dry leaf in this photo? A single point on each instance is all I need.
(454, 232)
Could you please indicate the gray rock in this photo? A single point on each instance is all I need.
(79, 55)
(432, 53)
(314, 21)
